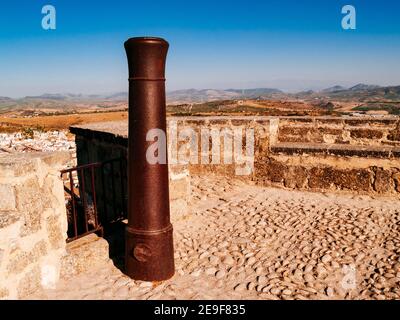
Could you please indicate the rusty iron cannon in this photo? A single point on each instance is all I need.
(149, 254)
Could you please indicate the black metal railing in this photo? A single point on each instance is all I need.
(96, 196)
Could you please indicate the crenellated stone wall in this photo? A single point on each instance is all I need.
(33, 222)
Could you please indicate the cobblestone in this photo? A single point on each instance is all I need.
(266, 243)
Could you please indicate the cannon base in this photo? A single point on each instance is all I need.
(149, 254)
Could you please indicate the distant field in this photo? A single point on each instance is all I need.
(58, 119)
(250, 107)
(392, 108)
(57, 122)
(44, 118)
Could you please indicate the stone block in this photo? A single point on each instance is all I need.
(178, 209)
(370, 122)
(296, 177)
(366, 134)
(382, 182)
(84, 254)
(7, 196)
(8, 217)
(394, 135)
(272, 170)
(56, 160)
(179, 189)
(30, 282)
(17, 165)
(237, 122)
(329, 177)
(177, 170)
(30, 202)
(301, 132)
(19, 259)
(195, 122)
(355, 179)
(3, 293)
(330, 131)
(54, 232)
(320, 178)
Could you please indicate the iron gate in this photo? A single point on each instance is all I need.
(95, 196)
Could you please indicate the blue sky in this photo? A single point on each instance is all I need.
(291, 45)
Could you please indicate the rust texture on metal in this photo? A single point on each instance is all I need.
(149, 249)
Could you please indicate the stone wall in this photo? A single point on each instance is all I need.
(33, 222)
(340, 130)
(358, 155)
(346, 154)
(224, 128)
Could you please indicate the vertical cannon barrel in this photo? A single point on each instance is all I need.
(149, 254)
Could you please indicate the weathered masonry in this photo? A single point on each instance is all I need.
(33, 226)
(32, 222)
(347, 154)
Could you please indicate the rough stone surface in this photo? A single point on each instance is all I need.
(8, 200)
(30, 282)
(7, 218)
(3, 293)
(30, 204)
(54, 231)
(366, 133)
(33, 230)
(394, 135)
(83, 255)
(383, 180)
(283, 245)
(396, 178)
(290, 152)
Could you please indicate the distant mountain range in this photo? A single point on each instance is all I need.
(333, 89)
(361, 92)
(204, 95)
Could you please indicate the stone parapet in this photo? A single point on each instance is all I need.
(359, 155)
(33, 222)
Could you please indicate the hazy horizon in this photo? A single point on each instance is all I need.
(286, 45)
(288, 91)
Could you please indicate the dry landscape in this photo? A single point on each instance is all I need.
(47, 119)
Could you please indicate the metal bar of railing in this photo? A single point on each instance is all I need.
(94, 196)
(82, 193)
(79, 202)
(74, 217)
(84, 166)
(104, 218)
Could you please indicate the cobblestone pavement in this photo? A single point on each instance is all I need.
(249, 242)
